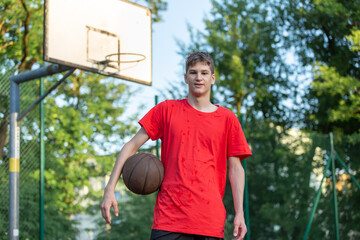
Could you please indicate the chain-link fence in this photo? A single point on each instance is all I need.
(284, 175)
(4, 154)
(29, 160)
(346, 159)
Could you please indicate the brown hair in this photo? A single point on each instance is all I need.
(196, 57)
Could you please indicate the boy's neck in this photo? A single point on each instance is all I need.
(201, 104)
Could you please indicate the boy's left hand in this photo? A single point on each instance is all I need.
(239, 227)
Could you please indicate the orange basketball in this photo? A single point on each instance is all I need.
(143, 173)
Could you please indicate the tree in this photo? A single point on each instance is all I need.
(21, 38)
(344, 115)
(87, 124)
(244, 38)
(324, 32)
(156, 7)
(326, 35)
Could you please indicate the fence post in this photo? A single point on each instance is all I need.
(157, 146)
(333, 172)
(246, 193)
(316, 202)
(14, 166)
(42, 163)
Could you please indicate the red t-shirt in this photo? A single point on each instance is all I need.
(194, 150)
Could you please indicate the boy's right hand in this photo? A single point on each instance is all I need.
(109, 200)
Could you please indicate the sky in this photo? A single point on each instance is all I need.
(167, 64)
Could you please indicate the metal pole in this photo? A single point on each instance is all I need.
(347, 170)
(157, 141)
(39, 73)
(316, 200)
(14, 166)
(246, 201)
(246, 192)
(42, 162)
(333, 170)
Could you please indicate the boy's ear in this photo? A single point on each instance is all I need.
(185, 79)
(213, 78)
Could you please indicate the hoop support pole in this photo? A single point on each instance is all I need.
(14, 140)
(14, 165)
(39, 73)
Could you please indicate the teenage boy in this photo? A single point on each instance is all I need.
(198, 140)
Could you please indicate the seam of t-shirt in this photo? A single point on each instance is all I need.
(188, 105)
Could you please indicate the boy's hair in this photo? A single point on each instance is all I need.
(196, 57)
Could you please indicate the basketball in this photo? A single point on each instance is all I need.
(143, 173)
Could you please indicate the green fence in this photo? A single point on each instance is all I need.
(29, 160)
(284, 177)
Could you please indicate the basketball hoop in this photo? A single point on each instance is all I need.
(129, 58)
(112, 38)
(114, 61)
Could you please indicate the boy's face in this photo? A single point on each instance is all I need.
(199, 79)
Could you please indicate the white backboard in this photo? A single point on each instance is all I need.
(109, 37)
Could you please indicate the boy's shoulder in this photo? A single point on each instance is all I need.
(227, 111)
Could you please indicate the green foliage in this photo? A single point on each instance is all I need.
(156, 7)
(329, 82)
(21, 24)
(283, 161)
(326, 33)
(87, 123)
(342, 89)
(327, 36)
(58, 226)
(4, 198)
(244, 38)
(354, 39)
(4, 113)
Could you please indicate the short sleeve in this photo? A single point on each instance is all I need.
(237, 144)
(153, 121)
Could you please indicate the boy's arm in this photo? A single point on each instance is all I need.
(129, 149)
(237, 180)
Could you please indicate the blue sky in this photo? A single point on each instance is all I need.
(167, 64)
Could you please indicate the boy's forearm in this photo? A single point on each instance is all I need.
(237, 180)
(124, 154)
